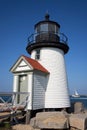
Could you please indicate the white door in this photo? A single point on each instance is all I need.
(23, 87)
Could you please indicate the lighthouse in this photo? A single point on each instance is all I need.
(48, 46)
(43, 75)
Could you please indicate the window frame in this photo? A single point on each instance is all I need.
(37, 55)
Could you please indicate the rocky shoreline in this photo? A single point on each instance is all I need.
(56, 120)
(60, 121)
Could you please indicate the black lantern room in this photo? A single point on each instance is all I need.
(47, 34)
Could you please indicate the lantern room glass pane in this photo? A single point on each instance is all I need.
(44, 27)
(57, 29)
(37, 30)
(51, 28)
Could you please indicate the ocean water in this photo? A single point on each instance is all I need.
(6, 99)
(82, 99)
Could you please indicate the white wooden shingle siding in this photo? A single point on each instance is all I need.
(56, 95)
(39, 89)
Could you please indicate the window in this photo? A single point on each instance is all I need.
(37, 56)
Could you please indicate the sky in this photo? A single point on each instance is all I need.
(17, 20)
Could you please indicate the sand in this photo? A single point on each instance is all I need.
(19, 127)
(23, 127)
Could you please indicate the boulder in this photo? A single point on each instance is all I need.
(78, 107)
(50, 120)
(78, 121)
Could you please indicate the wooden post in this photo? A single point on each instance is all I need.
(28, 116)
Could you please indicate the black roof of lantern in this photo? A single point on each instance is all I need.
(47, 20)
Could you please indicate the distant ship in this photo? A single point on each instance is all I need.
(75, 94)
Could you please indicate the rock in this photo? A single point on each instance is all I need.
(33, 122)
(78, 107)
(50, 120)
(73, 128)
(21, 127)
(78, 121)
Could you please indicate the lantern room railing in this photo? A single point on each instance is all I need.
(47, 37)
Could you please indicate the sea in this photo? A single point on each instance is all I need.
(82, 99)
(5, 98)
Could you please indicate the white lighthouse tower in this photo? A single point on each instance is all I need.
(48, 47)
